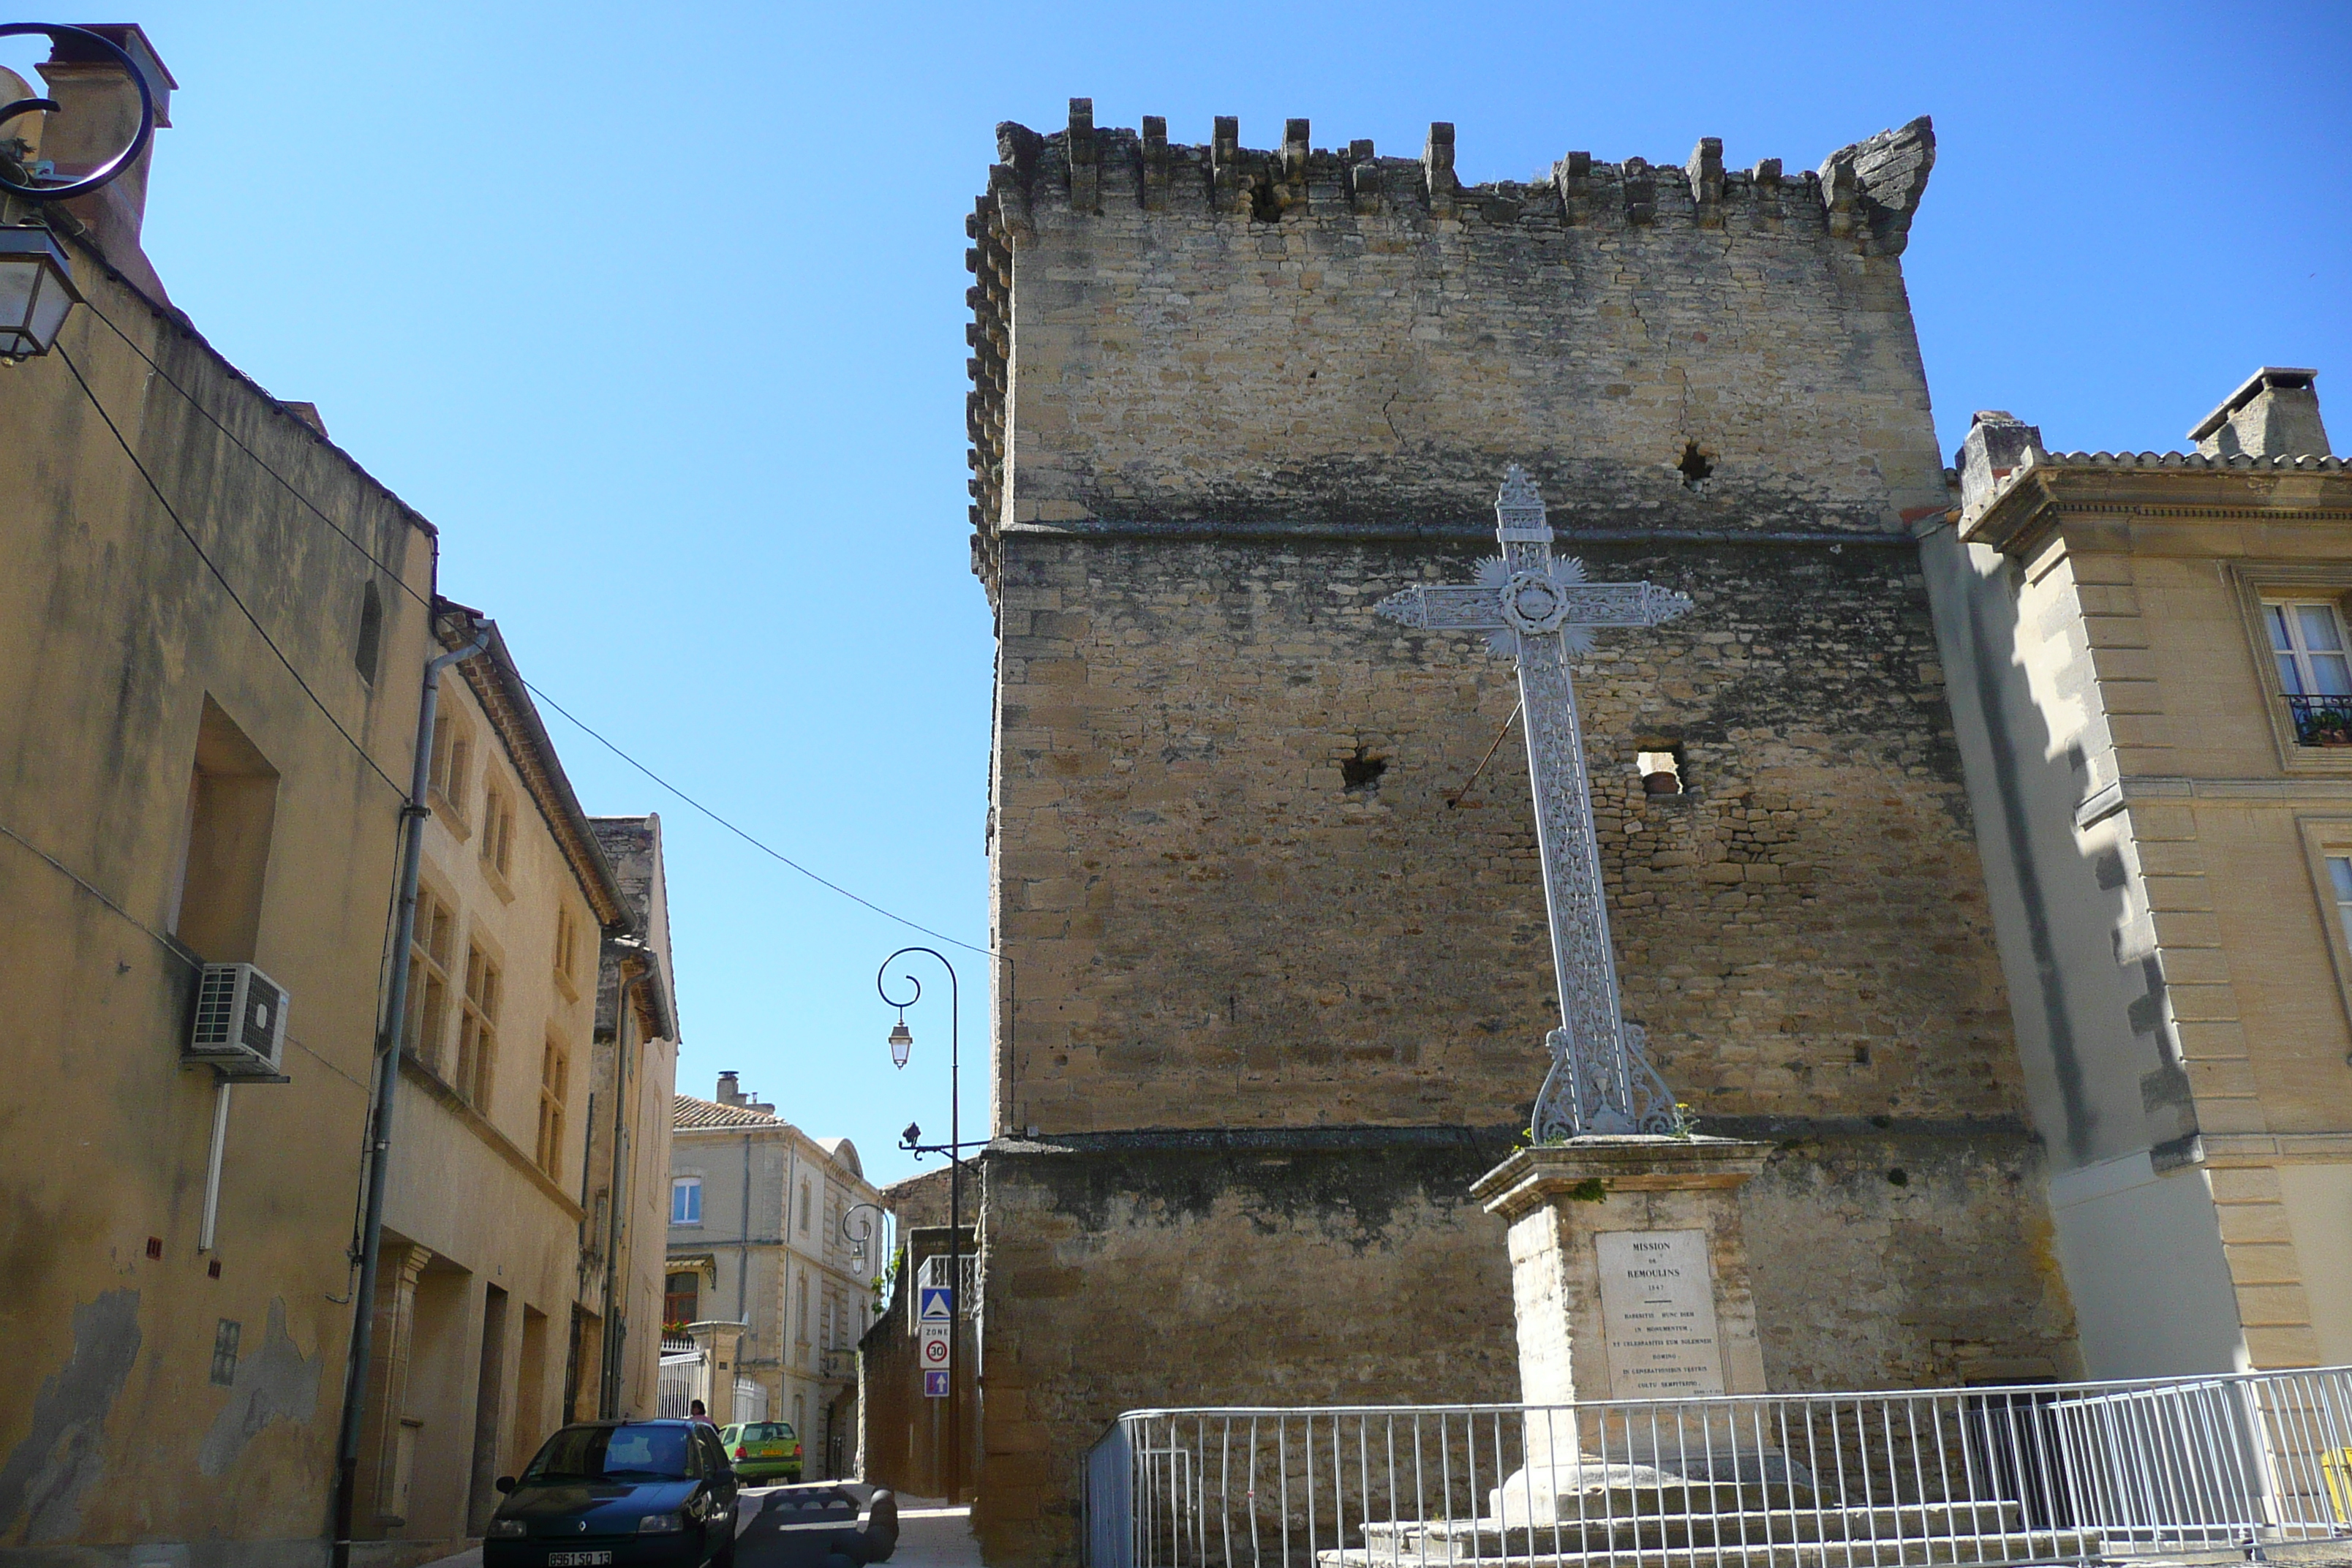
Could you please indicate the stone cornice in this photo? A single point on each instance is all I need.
(1602, 1165)
(2045, 489)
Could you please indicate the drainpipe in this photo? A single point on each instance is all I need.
(608, 1403)
(387, 1083)
(744, 1238)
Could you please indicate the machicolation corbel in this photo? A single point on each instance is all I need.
(1086, 188)
(1641, 191)
(1155, 164)
(1362, 173)
(1705, 172)
(1572, 178)
(1292, 192)
(1438, 168)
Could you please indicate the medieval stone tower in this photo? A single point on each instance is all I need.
(1277, 988)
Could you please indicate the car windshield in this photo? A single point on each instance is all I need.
(616, 1453)
(766, 1431)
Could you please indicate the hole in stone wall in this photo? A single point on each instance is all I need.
(1898, 1178)
(1862, 1056)
(1264, 208)
(1361, 772)
(1661, 771)
(1693, 466)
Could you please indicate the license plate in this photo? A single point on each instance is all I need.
(577, 1559)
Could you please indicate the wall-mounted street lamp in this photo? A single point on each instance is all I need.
(37, 286)
(902, 1043)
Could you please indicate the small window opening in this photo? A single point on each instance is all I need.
(224, 855)
(1662, 772)
(370, 643)
(225, 1340)
(1264, 208)
(1361, 772)
(1694, 467)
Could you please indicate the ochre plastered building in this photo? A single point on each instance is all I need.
(1277, 988)
(2159, 741)
(170, 795)
(210, 675)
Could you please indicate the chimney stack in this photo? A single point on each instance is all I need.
(98, 114)
(730, 1089)
(2275, 415)
(1996, 445)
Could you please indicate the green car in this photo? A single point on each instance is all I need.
(763, 1450)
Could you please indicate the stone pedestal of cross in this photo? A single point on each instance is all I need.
(1629, 1268)
(1539, 608)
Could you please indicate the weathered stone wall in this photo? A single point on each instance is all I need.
(1376, 344)
(1132, 1270)
(1275, 1001)
(1214, 927)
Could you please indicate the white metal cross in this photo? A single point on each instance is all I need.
(1540, 610)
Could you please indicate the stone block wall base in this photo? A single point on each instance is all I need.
(1560, 1200)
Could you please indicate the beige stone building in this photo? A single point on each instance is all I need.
(758, 1236)
(2158, 721)
(481, 1316)
(623, 1193)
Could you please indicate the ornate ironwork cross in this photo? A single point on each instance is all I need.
(1540, 610)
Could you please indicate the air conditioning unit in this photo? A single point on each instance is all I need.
(240, 1021)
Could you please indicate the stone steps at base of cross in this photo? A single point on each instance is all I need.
(1483, 1539)
(1994, 1551)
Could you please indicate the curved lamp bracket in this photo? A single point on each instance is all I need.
(56, 32)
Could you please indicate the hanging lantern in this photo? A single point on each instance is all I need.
(37, 290)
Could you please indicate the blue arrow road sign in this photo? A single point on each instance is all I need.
(935, 1385)
(936, 1303)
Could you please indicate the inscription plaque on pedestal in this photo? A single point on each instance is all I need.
(1657, 1314)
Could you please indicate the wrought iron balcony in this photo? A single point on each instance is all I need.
(2321, 721)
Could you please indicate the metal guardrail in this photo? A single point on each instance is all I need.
(2042, 1473)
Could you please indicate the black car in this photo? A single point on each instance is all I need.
(618, 1492)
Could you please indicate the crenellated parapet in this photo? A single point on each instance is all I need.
(1139, 218)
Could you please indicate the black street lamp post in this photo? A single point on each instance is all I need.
(901, 1044)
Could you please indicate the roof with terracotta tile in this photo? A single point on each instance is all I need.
(688, 1113)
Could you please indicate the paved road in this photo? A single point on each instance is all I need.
(931, 1535)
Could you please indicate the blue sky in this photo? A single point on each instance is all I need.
(659, 314)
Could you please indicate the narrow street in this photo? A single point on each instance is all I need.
(770, 1535)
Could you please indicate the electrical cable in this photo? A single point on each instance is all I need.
(259, 460)
(189, 534)
(403, 583)
(746, 837)
(172, 948)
